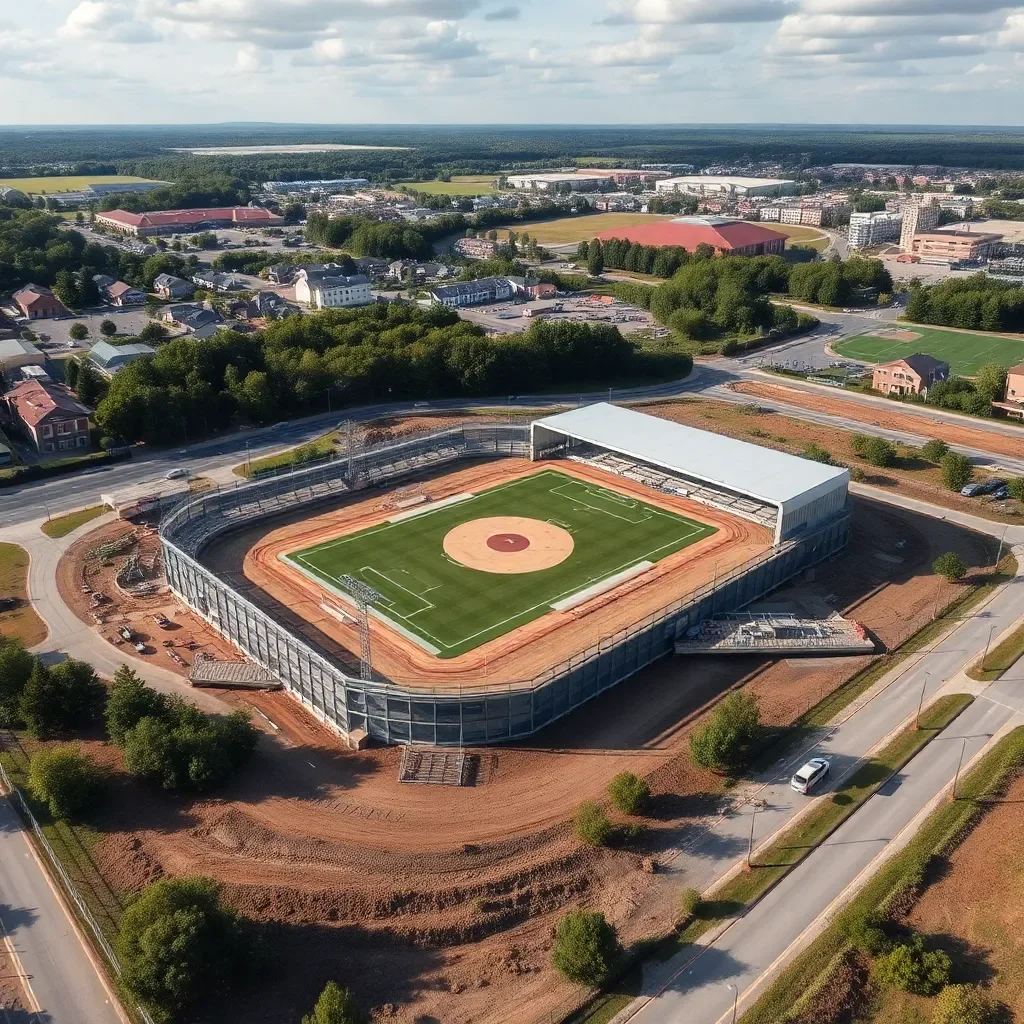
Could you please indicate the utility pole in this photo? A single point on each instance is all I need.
(917, 721)
(988, 643)
(956, 777)
(750, 838)
(248, 460)
(363, 596)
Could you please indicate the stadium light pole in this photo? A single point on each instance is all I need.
(363, 596)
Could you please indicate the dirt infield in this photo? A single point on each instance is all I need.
(896, 334)
(517, 655)
(508, 544)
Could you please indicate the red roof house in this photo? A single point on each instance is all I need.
(50, 416)
(37, 302)
(732, 237)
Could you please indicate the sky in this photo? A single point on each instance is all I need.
(512, 61)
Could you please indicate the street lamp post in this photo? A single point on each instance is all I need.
(750, 838)
(988, 643)
(735, 999)
(920, 703)
(248, 460)
(959, 765)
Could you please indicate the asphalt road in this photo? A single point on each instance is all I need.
(59, 973)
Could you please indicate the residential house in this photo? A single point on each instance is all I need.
(371, 266)
(263, 305)
(329, 290)
(1013, 400)
(109, 359)
(167, 286)
(215, 281)
(421, 271)
(38, 303)
(102, 282)
(50, 416)
(912, 375)
(121, 294)
(15, 353)
(473, 293)
(190, 315)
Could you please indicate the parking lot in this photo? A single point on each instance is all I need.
(511, 317)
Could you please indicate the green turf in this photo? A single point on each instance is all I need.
(455, 609)
(965, 353)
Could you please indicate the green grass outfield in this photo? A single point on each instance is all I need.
(964, 352)
(454, 609)
(66, 182)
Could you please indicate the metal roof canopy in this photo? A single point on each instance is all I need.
(786, 481)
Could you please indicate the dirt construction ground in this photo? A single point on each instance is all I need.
(436, 903)
(525, 652)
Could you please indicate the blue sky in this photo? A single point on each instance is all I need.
(515, 61)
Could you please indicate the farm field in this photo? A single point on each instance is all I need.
(456, 576)
(460, 185)
(66, 182)
(964, 351)
(576, 229)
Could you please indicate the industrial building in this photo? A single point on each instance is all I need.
(576, 181)
(726, 185)
(874, 228)
(169, 222)
(732, 237)
(321, 185)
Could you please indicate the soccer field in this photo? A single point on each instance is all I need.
(587, 532)
(965, 353)
(66, 182)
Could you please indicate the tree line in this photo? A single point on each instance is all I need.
(978, 302)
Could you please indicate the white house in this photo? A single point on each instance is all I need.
(327, 290)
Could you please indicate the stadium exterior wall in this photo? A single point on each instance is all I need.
(393, 712)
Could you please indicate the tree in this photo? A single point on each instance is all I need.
(595, 259)
(880, 452)
(591, 824)
(177, 943)
(950, 565)
(60, 699)
(990, 381)
(629, 793)
(956, 470)
(63, 778)
(78, 332)
(88, 384)
(128, 702)
(934, 450)
(583, 250)
(16, 667)
(108, 328)
(961, 1004)
(335, 1006)
(153, 334)
(909, 967)
(586, 948)
(723, 743)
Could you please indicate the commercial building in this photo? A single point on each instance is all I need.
(874, 228)
(49, 416)
(328, 290)
(918, 219)
(108, 358)
(726, 185)
(169, 222)
(16, 353)
(912, 375)
(575, 181)
(320, 185)
(732, 237)
(473, 293)
(961, 246)
(38, 303)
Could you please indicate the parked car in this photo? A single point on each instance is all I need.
(972, 490)
(993, 486)
(810, 775)
(1002, 494)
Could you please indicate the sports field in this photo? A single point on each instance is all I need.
(460, 185)
(964, 352)
(575, 229)
(65, 182)
(536, 541)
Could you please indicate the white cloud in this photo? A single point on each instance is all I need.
(251, 60)
(109, 21)
(697, 12)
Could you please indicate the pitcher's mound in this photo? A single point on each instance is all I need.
(508, 544)
(895, 334)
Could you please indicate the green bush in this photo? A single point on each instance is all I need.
(586, 948)
(934, 450)
(956, 470)
(591, 824)
(689, 903)
(961, 1004)
(950, 565)
(857, 475)
(880, 452)
(864, 932)
(909, 967)
(722, 744)
(629, 793)
(16, 665)
(816, 453)
(335, 1006)
(1016, 487)
(64, 779)
(859, 443)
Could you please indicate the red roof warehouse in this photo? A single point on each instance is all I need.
(168, 221)
(733, 237)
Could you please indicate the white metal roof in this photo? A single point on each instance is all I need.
(747, 468)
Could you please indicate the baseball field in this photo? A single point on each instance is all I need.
(456, 574)
(965, 352)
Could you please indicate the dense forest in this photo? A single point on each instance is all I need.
(978, 302)
(431, 150)
(386, 351)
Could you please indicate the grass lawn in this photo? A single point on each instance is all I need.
(965, 352)
(450, 608)
(460, 185)
(798, 234)
(303, 453)
(66, 182)
(576, 229)
(1001, 658)
(21, 622)
(61, 526)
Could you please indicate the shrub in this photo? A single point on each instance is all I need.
(950, 565)
(722, 743)
(591, 825)
(909, 967)
(934, 450)
(586, 948)
(863, 932)
(956, 470)
(816, 453)
(177, 943)
(731, 347)
(78, 332)
(64, 779)
(859, 443)
(857, 475)
(961, 1004)
(108, 328)
(1016, 487)
(16, 665)
(335, 1006)
(689, 903)
(629, 793)
(880, 452)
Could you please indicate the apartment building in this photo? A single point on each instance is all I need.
(874, 228)
(328, 290)
(912, 375)
(918, 219)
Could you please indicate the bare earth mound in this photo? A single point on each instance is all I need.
(896, 334)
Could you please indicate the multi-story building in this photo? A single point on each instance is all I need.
(1013, 399)
(912, 375)
(954, 246)
(577, 181)
(719, 185)
(38, 303)
(473, 293)
(49, 416)
(874, 228)
(328, 290)
(918, 219)
(322, 185)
